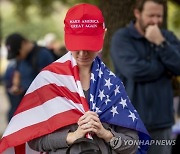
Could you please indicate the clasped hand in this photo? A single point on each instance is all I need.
(89, 123)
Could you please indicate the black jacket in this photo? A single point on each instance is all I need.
(146, 71)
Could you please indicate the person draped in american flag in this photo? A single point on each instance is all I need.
(76, 97)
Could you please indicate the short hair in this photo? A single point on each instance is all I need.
(13, 44)
(140, 3)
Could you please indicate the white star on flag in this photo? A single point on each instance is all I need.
(123, 102)
(103, 64)
(116, 90)
(92, 77)
(92, 98)
(98, 110)
(101, 94)
(94, 106)
(132, 115)
(122, 83)
(97, 68)
(111, 73)
(100, 73)
(114, 110)
(108, 83)
(107, 100)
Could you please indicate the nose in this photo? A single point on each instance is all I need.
(155, 20)
(82, 53)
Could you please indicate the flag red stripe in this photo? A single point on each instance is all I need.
(20, 149)
(42, 128)
(32, 100)
(48, 92)
(64, 69)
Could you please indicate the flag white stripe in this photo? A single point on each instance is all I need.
(80, 91)
(64, 58)
(9, 151)
(47, 110)
(54, 78)
(41, 113)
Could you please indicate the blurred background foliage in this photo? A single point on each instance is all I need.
(174, 16)
(28, 19)
(36, 18)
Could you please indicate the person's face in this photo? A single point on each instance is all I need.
(152, 14)
(84, 58)
(23, 51)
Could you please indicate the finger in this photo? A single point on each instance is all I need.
(87, 119)
(92, 130)
(90, 120)
(84, 121)
(94, 118)
(91, 124)
(88, 113)
(92, 113)
(86, 126)
(95, 124)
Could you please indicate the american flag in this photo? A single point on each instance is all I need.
(109, 99)
(55, 99)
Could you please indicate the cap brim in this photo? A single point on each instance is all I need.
(77, 42)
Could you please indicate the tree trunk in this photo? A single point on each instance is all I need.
(117, 13)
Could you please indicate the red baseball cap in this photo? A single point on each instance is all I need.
(84, 28)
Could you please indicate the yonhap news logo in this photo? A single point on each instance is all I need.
(150, 142)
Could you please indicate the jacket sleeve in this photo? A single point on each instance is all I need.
(130, 64)
(50, 142)
(126, 135)
(169, 53)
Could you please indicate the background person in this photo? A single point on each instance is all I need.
(52, 44)
(27, 59)
(30, 59)
(13, 95)
(146, 57)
